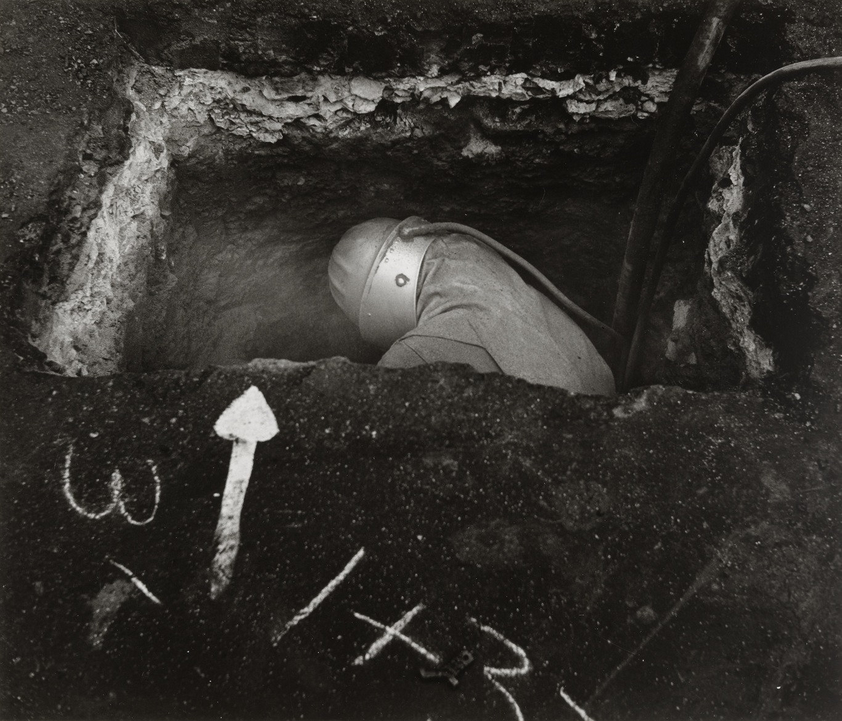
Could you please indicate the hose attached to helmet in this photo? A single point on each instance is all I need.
(561, 300)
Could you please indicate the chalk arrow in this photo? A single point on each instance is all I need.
(247, 422)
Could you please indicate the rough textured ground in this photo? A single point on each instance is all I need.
(667, 554)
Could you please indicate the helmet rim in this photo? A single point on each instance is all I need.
(388, 308)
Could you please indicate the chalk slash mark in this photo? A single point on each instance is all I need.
(140, 585)
(247, 421)
(491, 672)
(115, 487)
(570, 702)
(392, 633)
(388, 634)
(323, 594)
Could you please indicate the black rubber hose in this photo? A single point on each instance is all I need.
(661, 159)
(560, 299)
(788, 72)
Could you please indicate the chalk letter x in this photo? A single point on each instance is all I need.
(394, 631)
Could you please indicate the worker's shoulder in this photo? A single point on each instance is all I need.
(401, 354)
(419, 348)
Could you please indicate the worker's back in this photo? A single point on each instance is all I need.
(474, 308)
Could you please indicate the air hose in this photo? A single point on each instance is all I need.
(560, 299)
(788, 72)
(653, 185)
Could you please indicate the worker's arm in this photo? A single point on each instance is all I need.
(421, 349)
(400, 355)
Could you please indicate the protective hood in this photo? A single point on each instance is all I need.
(373, 275)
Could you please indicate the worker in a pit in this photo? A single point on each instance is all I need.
(424, 294)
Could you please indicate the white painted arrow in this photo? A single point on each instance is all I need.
(247, 421)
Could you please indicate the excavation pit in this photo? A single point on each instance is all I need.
(210, 241)
(663, 552)
(251, 240)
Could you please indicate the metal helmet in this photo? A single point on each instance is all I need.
(373, 274)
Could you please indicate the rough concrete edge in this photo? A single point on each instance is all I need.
(728, 205)
(82, 332)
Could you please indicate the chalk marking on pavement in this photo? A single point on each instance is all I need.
(491, 672)
(137, 582)
(503, 690)
(247, 421)
(388, 635)
(117, 484)
(115, 489)
(429, 655)
(707, 574)
(323, 594)
(68, 493)
(525, 666)
(578, 709)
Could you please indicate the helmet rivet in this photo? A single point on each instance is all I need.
(401, 280)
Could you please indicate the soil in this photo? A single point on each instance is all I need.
(665, 553)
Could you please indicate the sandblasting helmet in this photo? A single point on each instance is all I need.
(373, 275)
